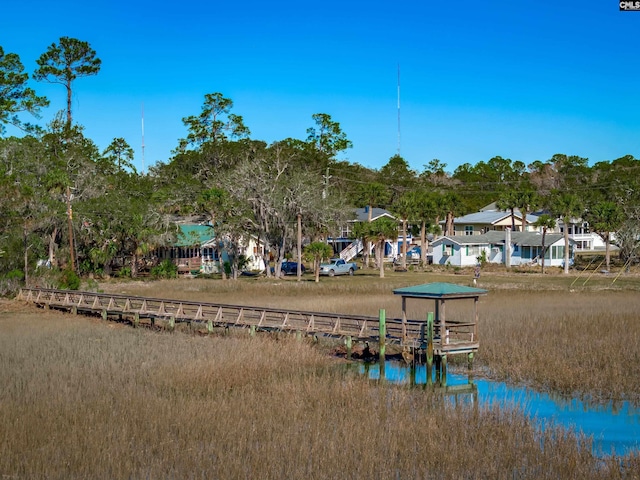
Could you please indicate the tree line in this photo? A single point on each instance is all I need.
(88, 211)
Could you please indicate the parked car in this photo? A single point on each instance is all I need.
(338, 266)
(289, 268)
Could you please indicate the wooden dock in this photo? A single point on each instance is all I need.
(433, 337)
(207, 315)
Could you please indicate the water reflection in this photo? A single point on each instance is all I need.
(614, 427)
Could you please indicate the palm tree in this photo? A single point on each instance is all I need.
(424, 212)
(381, 230)
(316, 252)
(372, 195)
(568, 206)
(450, 205)
(545, 222)
(526, 201)
(605, 217)
(508, 202)
(404, 207)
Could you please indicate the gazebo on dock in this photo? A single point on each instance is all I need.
(440, 336)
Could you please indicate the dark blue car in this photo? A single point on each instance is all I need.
(291, 268)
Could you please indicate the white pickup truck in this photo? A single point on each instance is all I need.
(338, 266)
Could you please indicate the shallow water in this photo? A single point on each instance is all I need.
(614, 428)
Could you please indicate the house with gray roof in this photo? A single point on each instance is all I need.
(490, 218)
(485, 221)
(502, 247)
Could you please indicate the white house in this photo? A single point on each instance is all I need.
(348, 248)
(511, 248)
(490, 218)
(485, 221)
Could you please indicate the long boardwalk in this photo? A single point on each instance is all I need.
(436, 337)
(208, 315)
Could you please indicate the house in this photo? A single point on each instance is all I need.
(586, 241)
(486, 220)
(197, 250)
(348, 248)
(186, 251)
(510, 248)
(490, 218)
(252, 250)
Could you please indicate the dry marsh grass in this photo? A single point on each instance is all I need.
(546, 331)
(82, 398)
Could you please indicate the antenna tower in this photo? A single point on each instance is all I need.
(143, 138)
(398, 109)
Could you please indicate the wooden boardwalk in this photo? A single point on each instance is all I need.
(208, 315)
(433, 336)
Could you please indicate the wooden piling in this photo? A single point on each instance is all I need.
(429, 352)
(349, 345)
(383, 334)
(382, 342)
(443, 367)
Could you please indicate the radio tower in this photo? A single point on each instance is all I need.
(143, 138)
(398, 109)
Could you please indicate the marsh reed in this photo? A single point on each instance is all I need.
(533, 329)
(82, 398)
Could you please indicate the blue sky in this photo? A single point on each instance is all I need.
(523, 80)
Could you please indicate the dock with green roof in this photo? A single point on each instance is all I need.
(440, 336)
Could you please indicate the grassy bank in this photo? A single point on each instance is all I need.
(82, 398)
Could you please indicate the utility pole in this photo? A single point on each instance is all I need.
(325, 190)
(299, 272)
(69, 218)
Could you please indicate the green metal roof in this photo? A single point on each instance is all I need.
(440, 290)
(193, 235)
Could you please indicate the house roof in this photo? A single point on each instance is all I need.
(193, 235)
(440, 290)
(362, 214)
(491, 215)
(464, 240)
(532, 239)
(487, 217)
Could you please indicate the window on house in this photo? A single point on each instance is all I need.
(473, 251)
(557, 252)
(468, 229)
(447, 250)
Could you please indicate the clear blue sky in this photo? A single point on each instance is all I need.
(523, 80)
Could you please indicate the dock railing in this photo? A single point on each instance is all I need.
(207, 315)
